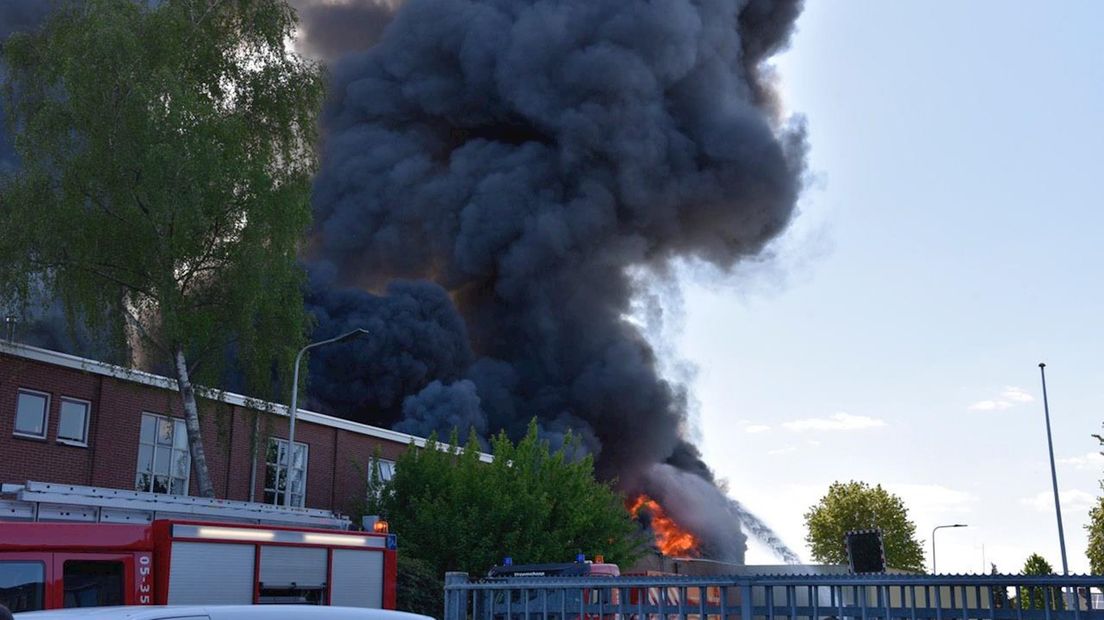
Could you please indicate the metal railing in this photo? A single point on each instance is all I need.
(835, 597)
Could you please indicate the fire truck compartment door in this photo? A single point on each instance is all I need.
(211, 574)
(357, 578)
(303, 566)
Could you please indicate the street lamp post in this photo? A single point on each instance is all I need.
(939, 527)
(295, 406)
(1054, 473)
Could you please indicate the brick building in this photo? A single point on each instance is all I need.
(72, 420)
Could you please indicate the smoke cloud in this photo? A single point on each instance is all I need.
(329, 29)
(416, 338)
(43, 322)
(441, 409)
(15, 16)
(524, 156)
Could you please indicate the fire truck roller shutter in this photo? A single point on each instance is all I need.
(303, 566)
(211, 574)
(358, 578)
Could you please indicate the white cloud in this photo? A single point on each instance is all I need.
(1009, 397)
(1017, 395)
(1073, 500)
(990, 405)
(1090, 460)
(786, 450)
(756, 428)
(836, 422)
(926, 499)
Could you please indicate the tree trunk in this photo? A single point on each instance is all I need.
(191, 421)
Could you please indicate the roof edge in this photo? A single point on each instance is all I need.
(66, 360)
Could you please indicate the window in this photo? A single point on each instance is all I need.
(386, 469)
(92, 584)
(380, 472)
(276, 479)
(22, 585)
(30, 413)
(73, 421)
(163, 459)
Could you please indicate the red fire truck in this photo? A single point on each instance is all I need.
(190, 557)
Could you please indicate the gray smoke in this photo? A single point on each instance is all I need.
(416, 338)
(15, 16)
(524, 155)
(441, 409)
(42, 322)
(330, 29)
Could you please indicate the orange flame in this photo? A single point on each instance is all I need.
(671, 539)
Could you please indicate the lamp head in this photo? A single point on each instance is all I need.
(353, 334)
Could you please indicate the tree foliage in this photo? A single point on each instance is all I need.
(457, 513)
(1095, 528)
(419, 587)
(858, 506)
(166, 150)
(1037, 597)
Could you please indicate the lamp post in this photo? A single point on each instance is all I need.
(1054, 473)
(939, 527)
(295, 406)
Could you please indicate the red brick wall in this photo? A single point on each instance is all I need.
(335, 470)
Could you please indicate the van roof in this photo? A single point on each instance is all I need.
(221, 612)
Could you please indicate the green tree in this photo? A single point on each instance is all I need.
(166, 152)
(858, 506)
(419, 587)
(454, 512)
(1095, 528)
(1036, 597)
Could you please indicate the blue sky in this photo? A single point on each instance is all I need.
(949, 241)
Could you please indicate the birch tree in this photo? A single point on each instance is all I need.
(166, 150)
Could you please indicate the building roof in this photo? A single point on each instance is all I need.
(95, 367)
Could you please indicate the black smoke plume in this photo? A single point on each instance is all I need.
(15, 16)
(417, 338)
(523, 155)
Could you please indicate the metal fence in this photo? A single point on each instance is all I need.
(857, 597)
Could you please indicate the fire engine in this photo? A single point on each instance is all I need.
(71, 546)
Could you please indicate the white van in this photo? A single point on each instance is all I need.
(221, 612)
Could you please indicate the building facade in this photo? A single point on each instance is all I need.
(72, 420)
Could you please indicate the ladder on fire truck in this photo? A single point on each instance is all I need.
(45, 501)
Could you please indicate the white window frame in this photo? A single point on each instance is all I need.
(153, 456)
(87, 417)
(386, 469)
(45, 415)
(278, 496)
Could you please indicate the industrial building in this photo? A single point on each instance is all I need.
(72, 420)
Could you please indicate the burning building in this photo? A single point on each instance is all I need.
(493, 170)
